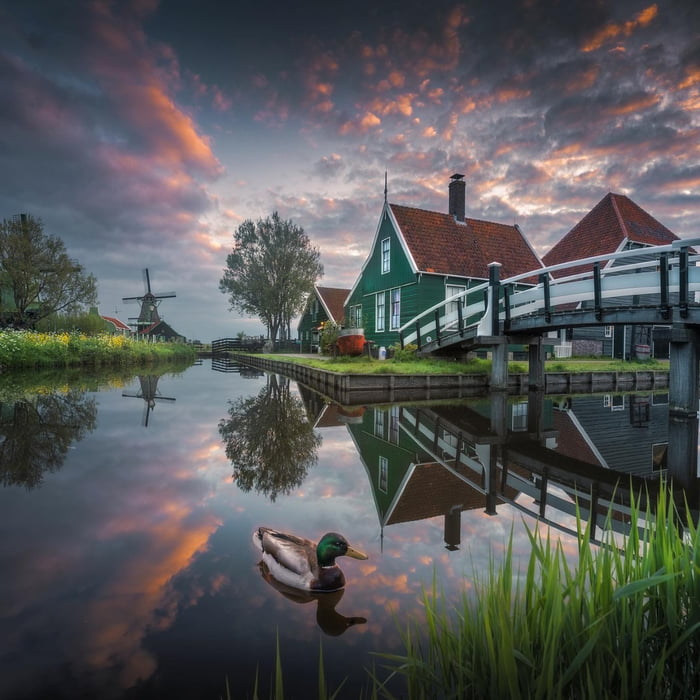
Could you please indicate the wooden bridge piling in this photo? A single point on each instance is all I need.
(683, 371)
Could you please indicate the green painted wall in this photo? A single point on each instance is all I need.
(314, 314)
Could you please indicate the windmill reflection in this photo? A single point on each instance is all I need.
(328, 618)
(543, 456)
(148, 391)
(37, 432)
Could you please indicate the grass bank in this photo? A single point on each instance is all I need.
(624, 622)
(433, 365)
(28, 349)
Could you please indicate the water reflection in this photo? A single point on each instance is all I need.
(590, 453)
(36, 433)
(269, 440)
(328, 618)
(149, 393)
(130, 572)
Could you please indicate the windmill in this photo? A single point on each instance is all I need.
(149, 305)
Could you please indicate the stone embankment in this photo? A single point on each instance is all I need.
(353, 389)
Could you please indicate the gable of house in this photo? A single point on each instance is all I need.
(614, 224)
(419, 257)
(324, 304)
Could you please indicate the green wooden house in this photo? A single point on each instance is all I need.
(419, 258)
(324, 304)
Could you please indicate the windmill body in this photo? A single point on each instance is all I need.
(149, 301)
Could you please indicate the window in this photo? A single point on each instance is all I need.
(355, 319)
(395, 309)
(450, 291)
(383, 474)
(379, 423)
(386, 255)
(394, 424)
(519, 416)
(379, 324)
(608, 331)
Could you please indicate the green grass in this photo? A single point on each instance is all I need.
(432, 365)
(624, 622)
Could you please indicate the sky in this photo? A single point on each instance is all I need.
(143, 133)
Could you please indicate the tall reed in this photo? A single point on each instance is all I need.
(624, 622)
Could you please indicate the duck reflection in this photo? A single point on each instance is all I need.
(328, 618)
(269, 439)
(37, 432)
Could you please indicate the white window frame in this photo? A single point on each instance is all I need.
(356, 316)
(386, 255)
(608, 331)
(394, 413)
(383, 475)
(379, 423)
(395, 322)
(450, 291)
(380, 312)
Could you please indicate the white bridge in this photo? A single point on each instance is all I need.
(647, 285)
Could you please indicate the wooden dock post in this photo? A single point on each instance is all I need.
(683, 371)
(499, 348)
(535, 365)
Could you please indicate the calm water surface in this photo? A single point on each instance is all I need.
(126, 514)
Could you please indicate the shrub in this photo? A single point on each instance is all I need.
(405, 354)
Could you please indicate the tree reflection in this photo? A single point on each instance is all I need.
(269, 440)
(36, 433)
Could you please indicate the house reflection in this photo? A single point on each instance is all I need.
(542, 455)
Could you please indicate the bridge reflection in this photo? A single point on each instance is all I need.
(550, 458)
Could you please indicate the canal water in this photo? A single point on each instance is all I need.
(127, 506)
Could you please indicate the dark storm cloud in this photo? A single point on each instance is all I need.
(147, 131)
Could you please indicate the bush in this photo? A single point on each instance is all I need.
(405, 354)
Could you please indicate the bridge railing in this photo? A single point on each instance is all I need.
(453, 315)
(659, 276)
(244, 344)
(662, 272)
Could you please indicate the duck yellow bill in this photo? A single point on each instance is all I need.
(355, 554)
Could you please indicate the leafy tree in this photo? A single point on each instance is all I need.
(36, 275)
(270, 271)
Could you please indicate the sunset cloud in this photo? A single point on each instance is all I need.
(614, 30)
(130, 124)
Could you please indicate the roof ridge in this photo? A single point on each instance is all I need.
(618, 215)
(447, 215)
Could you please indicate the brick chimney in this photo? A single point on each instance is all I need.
(458, 190)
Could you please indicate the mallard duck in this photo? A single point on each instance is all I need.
(301, 563)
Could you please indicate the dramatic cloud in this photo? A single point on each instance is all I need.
(143, 133)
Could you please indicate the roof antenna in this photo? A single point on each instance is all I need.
(385, 187)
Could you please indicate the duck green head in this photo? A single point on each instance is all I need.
(333, 545)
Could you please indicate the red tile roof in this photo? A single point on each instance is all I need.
(119, 325)
(333, 299)
(613, 222)
(440, 244)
